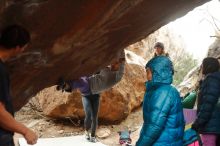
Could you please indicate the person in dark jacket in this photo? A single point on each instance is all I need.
(13, 41)
(162, 109)
(207, 122)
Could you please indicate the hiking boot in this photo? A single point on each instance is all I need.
(87, 135)
(93, 139)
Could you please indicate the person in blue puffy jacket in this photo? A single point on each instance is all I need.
(162, 108)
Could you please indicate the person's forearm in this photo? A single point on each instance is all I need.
(106, 79)
(74, 84)
(9, 123)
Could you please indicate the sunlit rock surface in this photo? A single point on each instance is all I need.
(214, 49)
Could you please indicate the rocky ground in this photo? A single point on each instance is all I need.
(47, 127)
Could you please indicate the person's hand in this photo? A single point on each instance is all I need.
(63, 86)
(60, 84)
(121, 60)
(121, 54)
(114, 66)
(30, 137)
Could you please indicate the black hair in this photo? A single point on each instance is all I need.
(210, 65)
(13, 36)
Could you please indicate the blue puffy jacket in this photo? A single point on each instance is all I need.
(162, 109)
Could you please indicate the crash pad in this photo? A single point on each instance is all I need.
(61, 141)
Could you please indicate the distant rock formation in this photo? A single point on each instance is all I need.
(214, 49)
(191, 81)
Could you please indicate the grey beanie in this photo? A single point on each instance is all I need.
(159, 45)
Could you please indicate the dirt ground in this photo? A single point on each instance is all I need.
(47, 128)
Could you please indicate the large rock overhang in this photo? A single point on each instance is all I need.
(71, 38)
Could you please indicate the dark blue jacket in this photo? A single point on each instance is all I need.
(208, 113)
(162, 109)
(5, 135)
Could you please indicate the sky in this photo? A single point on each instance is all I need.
(197, 26)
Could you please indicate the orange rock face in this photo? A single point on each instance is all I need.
(72, 38)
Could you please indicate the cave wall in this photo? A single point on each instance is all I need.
(77, 37)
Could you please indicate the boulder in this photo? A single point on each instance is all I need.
(190, 81)
(116, 103)
(214, 49)
(73, 38)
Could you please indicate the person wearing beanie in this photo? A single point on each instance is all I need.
(159, 49)
(162, 108)
(207, 122)
(13, 41)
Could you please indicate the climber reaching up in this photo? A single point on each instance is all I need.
(90, 88)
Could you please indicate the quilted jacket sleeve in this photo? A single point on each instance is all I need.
(210, 95)
(160, 107)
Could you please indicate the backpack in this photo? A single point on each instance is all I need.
(124, 138)
(191, 137)
(189, 100)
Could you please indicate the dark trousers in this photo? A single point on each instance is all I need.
(6, 139)
(218, 140)
(91, 108)
(11, 143)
